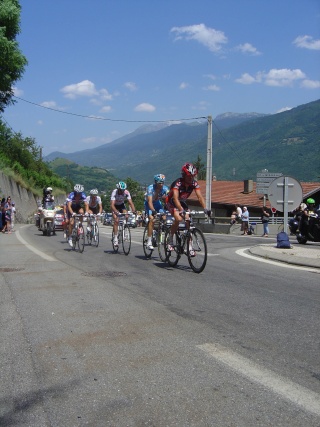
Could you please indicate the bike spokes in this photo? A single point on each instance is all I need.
(197, 250)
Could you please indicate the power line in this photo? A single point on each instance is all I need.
(107, 119)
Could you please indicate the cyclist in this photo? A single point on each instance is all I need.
(155, 197)
(118, 197)
(94, 204)
(76, 205)
(180, 190)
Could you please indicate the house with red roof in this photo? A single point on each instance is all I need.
(226, 194)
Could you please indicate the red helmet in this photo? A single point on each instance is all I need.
(189, 169)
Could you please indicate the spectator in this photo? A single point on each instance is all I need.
(245, 221)
(238, 211)
(7, 213)
(3, 214)
(13, 215)
(265, 215)
(233, 218)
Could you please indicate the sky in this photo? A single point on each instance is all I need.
(99, 69)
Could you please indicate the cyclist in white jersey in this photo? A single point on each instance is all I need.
(94, 204)
(118, 196)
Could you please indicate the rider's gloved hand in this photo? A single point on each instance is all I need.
(207, 212)
(182, 213)
(154, 213)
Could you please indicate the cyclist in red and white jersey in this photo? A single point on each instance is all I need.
(179, 192)
(118, 197)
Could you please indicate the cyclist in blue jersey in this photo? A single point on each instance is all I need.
(76, 205)
(154, 202)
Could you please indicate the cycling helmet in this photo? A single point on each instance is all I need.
(310, 201)
(94, 192)
(49, 189)
(189, 169)
(121, 185)
(159, 178)
(78, 188)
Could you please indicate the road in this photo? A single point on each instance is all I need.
(104, 339)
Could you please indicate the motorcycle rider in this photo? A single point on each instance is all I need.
(47, 196)
(306, 219)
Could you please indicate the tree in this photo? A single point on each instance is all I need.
(12, 61)
(201, 168)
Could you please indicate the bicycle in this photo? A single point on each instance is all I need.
(77, 234)
(190, 242)
(124, 235)
(93, 234)
(158, 237)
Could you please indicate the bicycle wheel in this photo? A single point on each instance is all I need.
(172, 257)
(126, 239)
(89, 237)
(81, 238)
(95, 235)
(161, 238)
(147, 252)
(197, 250)
(115, 248)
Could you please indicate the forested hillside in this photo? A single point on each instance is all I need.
(287, 142)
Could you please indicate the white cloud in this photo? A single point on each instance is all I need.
(49, 104)
(209, 37)
(274, 77)
(84, 88)
(131, 86)
(145, 107)
(246, 79)
(310, 84)
(307, 42)
(210, 76)
(248, 48)
(105, 95)
(17, 92)
(212, 87)
(183, 85)
(105, 109)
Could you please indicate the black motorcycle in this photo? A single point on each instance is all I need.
(310, 231)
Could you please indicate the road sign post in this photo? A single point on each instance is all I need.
(285, 192)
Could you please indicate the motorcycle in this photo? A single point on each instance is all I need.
(46, 219)
(310, 231)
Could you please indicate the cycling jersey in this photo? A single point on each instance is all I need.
(157, 200)
(156, 195)
(120, 198)
(77, 201)
(93, 203)
(184, 189)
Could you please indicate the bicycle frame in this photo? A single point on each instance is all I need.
(191, 242)
(124, 234)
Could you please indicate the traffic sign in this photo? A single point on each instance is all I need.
(263, 181)
(285, 193)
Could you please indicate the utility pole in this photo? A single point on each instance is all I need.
(209, 165)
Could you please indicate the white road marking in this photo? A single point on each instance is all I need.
(241, 252)
(31, 248)
(299, 395)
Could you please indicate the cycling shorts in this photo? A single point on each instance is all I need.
(121, 208)
(157, 207)
(95, 210)
(171, 206)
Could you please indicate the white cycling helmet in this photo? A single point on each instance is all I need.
(78, 188)
(49, 189)
(94, 192)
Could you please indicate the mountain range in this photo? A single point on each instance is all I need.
(242, 145)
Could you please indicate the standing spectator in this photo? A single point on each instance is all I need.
(265, 215)
(245, 220)
(13, 215)
(238, 212)
(7, 213)
(3, 214)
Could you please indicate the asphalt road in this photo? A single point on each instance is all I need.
(104, 339)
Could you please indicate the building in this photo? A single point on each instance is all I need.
(226, 194)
